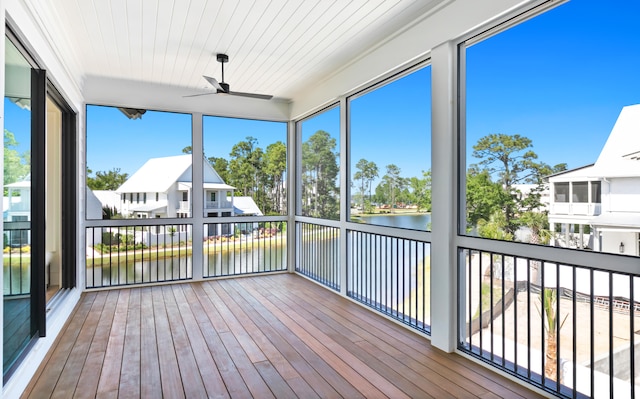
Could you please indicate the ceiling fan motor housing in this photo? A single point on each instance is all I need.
(225, 87)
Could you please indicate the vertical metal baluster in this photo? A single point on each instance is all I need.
(503, 314)
(575, 332)
(542, 336)
(592, 329)
(469, 254)
(610, 335)
(491, 304)
(557, 327)
(529, 318)
(480, 310)
(515, 314)
(632, 354)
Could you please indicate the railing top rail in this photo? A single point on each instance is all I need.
(410, 234)
(177, 221)
(623, 264)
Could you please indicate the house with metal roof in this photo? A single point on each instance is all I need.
(162, 187)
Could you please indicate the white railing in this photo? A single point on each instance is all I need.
(577, 209)
(217, 204)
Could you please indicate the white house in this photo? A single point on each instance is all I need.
(162, 188)
(16, 207)
(604, 196)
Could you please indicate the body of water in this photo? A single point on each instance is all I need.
(414, 221)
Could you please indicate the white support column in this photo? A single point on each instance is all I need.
(444, 197)
(293, 190)
(345, 201)
(197, 188)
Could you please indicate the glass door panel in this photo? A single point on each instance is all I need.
(53, 200)
(17, 324)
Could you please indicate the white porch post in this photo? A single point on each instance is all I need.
(444, 190)
(197, 207)
(581, 232)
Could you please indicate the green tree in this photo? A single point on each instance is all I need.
(420, 191)
(494, 227)
(16, 166)
(511, 159)
(367, 172)
(484, 197)
(245, 165)
(275, 166)
(221, 165)
(109, 180)
(319, 175)
(393, 182)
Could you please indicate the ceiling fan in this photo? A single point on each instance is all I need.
(223, 88)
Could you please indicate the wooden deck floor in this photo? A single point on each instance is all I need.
(268, 336)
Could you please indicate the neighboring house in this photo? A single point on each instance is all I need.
(108, 198)
(604, 196)
(162, 188)
(17, 208)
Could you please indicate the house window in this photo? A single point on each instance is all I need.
(213, 197)
(580, 192)
(137, 198)
(320, 165)
(392, 175)
(144, 198)
(157, 197)
(185, 196)
(595, 192)
(131, 198)
(561, 192)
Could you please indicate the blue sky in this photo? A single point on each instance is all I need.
(560, 79)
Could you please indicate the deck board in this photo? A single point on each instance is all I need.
(266, 336)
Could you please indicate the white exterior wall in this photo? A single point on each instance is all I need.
(624, 195)
(611, 242)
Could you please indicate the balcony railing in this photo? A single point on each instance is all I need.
(218, 204)
(17, 259)
(319, 253)
(389, 274)
(575, 208)
(184, 206)
(568, 329)
(230, 250)
(392, 276)
(137, 254)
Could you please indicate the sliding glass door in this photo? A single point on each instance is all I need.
(19, 324)
(39, 202)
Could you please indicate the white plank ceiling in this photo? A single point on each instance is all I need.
(278, 47)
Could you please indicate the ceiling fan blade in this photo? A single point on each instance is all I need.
(251, 95)
(200, 94)
(213, 82)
